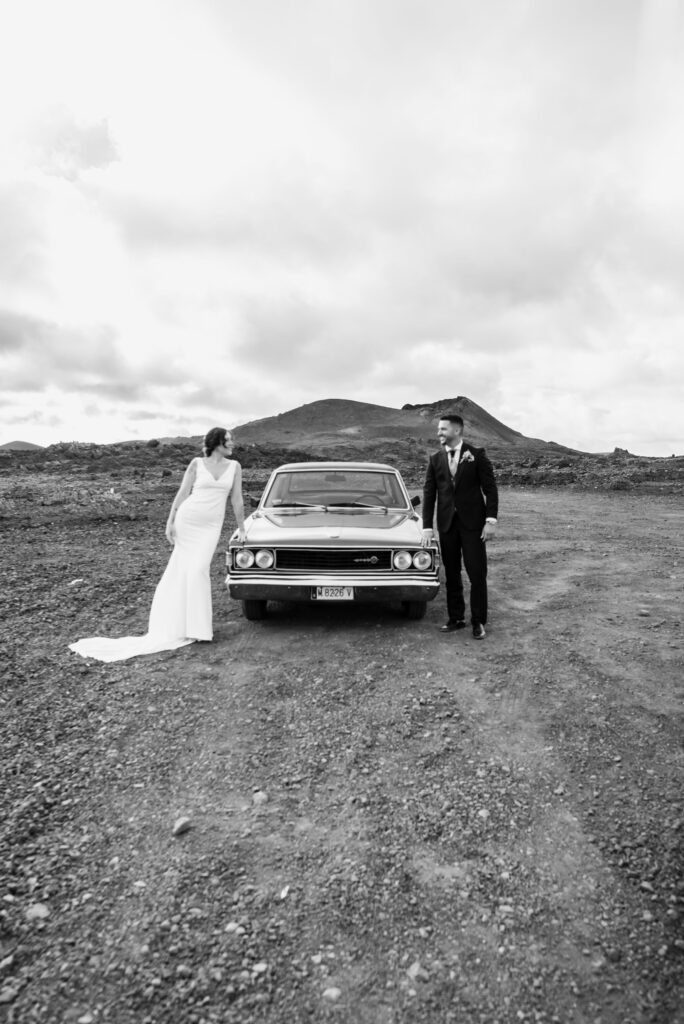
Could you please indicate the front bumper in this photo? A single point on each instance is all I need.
(250, 586)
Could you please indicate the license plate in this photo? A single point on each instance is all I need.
(334, 594)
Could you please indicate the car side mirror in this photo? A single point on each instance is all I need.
(415, 500)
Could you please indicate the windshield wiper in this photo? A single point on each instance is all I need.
(357, 506)
(294, 504)
(293, 508)
(353, 504)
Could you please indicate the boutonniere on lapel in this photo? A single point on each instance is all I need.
(467, 457)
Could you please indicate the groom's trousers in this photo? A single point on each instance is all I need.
(464, 547)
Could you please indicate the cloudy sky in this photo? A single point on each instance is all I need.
(218, 210)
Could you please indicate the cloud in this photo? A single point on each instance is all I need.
(141, 415)
(22, 234)
(18, 332)
(53, 347)
(35, 418)
(61, 144)
(37, 355)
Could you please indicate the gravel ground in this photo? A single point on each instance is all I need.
(337, 814)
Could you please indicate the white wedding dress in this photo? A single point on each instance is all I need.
(181, 609)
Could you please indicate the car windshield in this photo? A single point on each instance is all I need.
(337, 488)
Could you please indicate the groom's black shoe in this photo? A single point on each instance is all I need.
(479, 631)
(452, 625)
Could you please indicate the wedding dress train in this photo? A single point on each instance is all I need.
(181, 609)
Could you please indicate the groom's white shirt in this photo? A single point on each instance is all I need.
(457, 455)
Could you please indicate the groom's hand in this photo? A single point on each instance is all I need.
(488, 531)
(426, 539)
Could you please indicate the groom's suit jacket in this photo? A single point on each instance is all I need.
(471, 496)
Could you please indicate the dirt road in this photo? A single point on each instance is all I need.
(387, 825)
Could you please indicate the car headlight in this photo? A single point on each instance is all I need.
(264, 558)
(244, 558)
(402, 560)
(422, 559)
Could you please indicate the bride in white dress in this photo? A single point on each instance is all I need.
(181, 609)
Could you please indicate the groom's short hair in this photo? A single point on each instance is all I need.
(453, 417)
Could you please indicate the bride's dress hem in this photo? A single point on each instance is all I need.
(103, 648)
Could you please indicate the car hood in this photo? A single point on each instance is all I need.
(330, 528)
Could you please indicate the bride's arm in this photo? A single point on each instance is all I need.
(184, 490)
(237, 501)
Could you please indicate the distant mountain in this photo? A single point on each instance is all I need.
(344, 428)
(20, 446)
(338, 422)
(347, 430)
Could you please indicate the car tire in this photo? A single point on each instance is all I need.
(415, 609)
(254, 610)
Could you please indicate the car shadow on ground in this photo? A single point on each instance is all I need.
(334, 616)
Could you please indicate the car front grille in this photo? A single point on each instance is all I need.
(327, 560)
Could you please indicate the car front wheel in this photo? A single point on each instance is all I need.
(254, 610)
(415, 609)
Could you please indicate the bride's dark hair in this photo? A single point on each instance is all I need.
(215, 438)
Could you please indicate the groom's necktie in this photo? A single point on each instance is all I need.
(452, 461)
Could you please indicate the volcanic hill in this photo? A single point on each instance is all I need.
(20, 446)
(345, 424)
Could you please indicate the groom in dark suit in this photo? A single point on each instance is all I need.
(460, 479)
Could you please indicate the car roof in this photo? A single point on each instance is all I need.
(336, 465)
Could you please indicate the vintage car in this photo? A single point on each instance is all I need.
(333, 531)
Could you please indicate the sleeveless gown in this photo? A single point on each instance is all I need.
(181, 609)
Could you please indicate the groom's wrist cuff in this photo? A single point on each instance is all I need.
(490, 520)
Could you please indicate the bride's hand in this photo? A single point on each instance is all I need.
(171, 533)
(240, 536)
